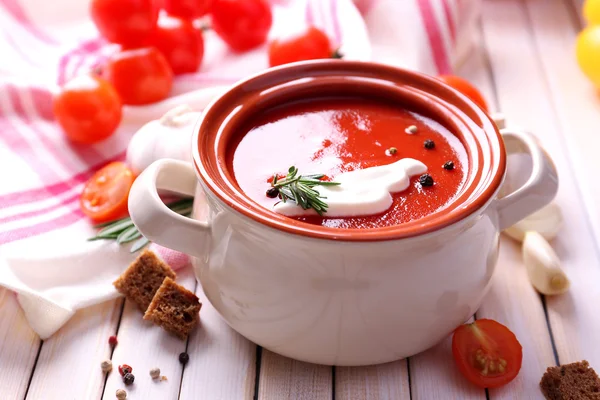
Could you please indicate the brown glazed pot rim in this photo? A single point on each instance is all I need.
(413, 90)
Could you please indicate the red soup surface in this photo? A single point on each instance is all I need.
(338, 135)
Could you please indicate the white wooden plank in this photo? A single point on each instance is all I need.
(69, 362)
(512, 301)
(283, 378)
(143, 345)
(18, 350)
(222, 363)
(573, 317)
(525, 98)
(376, 382)
(433, 375)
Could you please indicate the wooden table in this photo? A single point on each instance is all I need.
(526, 67)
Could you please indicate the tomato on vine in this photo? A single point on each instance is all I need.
(188, 9)
(180, 43)
(140, 76)
(465, 88)
(308, 44)
(126, 22)
(243, 25)
(88, 109)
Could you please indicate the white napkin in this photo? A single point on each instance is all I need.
(44, 255)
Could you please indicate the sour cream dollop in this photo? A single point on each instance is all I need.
(361, 192)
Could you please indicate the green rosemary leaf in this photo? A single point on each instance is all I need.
(106, 237)
(299, 189)
(327, 183)
(124, 231)
(117, 227)
(141, 243)
(128, 235)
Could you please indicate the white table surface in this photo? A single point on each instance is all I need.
(525, 65)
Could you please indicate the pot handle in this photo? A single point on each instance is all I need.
(540, 188)
(154, 219)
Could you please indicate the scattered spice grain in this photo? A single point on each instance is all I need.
(121, 394)
(106, 366)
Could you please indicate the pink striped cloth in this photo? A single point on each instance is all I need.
(44, 44)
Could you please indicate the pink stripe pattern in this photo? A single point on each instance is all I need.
(434, 34)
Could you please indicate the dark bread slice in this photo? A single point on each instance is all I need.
(142, 278)
(575, 381)
(174, 308)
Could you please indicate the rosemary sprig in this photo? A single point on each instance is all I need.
(299, 189)
(124, 231)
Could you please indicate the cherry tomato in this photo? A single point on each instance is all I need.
(127, 22)
(587, 49)
(104, 197)
(465, 88)
(242, 24)
(180, 43)
(487, 353)
(188, 9)
(88, 109)
(591, 11)
(140, 76)
(309, 44)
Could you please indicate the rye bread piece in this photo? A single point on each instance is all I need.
(174, 308)
(577, 381)
(142, 278)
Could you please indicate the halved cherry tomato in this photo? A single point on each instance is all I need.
(88, 109)
(188, 9)
(127, 22)
(309, 44)
(104, 196)
(140, 76)
(180, 43)
(487, 353)
(242, 24)
(465, 88)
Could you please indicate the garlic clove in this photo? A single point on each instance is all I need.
(543, 265)
(546, 221)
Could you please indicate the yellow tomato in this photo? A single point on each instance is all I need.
(588, 53)
(591, 11)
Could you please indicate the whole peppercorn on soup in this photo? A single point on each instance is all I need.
(333, 139)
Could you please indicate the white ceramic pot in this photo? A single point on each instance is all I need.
(334, 296)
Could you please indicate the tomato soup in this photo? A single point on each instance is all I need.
(338, 135)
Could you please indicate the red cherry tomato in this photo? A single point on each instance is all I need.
(180, 43)
(487, 353)
(104, 196)
(127, 22)
(465, 88)
(140, 76)
(309, 44)
(188, 9)
(88, 109)
(242, 24)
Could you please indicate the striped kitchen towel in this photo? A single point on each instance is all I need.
(44, 255)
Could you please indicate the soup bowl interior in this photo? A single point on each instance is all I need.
(332, 79)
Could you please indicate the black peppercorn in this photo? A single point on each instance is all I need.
(449, 165)
(128, 378)
(426, 180)
(184, 358)
(272, 192)
(429, 144)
